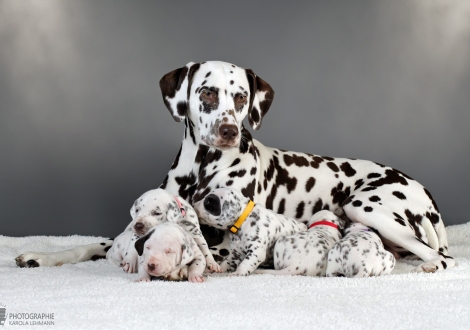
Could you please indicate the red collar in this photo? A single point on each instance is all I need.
(323, 222)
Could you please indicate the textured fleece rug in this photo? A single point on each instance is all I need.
(98, 295)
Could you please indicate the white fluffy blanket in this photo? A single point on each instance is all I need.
(98, 295)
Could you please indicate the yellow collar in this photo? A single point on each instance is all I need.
(236, 226)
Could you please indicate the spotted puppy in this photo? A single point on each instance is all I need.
(306, 253)
(360, 253)
(123, 253)
(158, 206)
(169, 252)
(253, 228)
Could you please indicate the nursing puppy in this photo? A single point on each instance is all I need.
(253, 228)
(306, 253)
(360, 253)
(155, 207)
(169, 252)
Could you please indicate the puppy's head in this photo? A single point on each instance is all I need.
(221, 207)
(329, 216)
(154, 207)
(164, 250)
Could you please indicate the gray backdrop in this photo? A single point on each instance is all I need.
(83, 129)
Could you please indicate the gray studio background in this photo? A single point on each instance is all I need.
(83, 129)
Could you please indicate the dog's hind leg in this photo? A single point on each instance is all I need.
(81, 253)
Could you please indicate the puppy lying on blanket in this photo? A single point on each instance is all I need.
(155, 207)
(253, 228)
(360, 253)
(306, 253)
(169, 252)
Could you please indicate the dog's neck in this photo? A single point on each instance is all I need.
(183, 179)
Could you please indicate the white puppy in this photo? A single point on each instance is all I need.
(156, 207)
(306, 253)
(169, 252)
(253, 228)
(360, 253)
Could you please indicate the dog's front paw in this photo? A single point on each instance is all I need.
(129, 266)
(196, 278)
(237, 273)
(28, 260)
(214, 267)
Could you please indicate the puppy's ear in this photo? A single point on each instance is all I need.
(175, 87)
(187, 254)
(139, 244)
(260, 100)
(133, 212)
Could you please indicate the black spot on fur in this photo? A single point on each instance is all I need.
(310, 183)
(297, 160)
(332, 166)
(299, 212)
(357, 203)
(358, 184)
(399, 195)
(282, 206)
(374, 198)
(374, 175)
(340, 193)
(347, 169)
(391, 177)
(368, 209)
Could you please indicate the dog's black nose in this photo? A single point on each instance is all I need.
(212, 204)
(228, 132)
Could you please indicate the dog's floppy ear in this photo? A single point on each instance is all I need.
(260, 100)
(175, 87)
(139, 244)
(187, 254)
(133, 211)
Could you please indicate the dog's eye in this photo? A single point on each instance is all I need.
(155, 213)
(240, 98)
(208, 95)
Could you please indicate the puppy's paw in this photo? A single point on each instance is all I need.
(196, 278)
(214, 268)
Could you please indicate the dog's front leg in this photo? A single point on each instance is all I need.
(252, 260)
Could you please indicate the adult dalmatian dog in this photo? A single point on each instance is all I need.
(212, 99)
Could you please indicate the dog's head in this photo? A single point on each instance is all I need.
(221, 207)
(154, 207)
(215, 97)
(164, 250)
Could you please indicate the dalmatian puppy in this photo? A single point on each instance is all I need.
(253, 228)
(123, 253)
(306, 253)
(158, 206)
(168, 251)
(360, 253)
